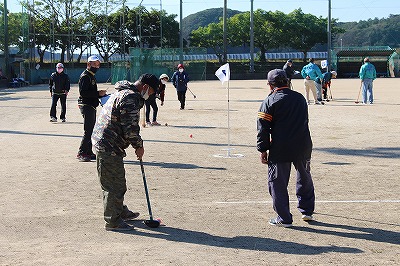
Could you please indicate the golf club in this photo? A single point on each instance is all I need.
(150, 223)
(359, 91)
(194, 96)
(329, 86)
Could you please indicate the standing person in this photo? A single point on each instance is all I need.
(116, 129)
(59, 86)
(326, 83)
(283, 139)
(289, 70)
(151, 101)
(367, 76)
(180, 80)
(311, 73)
(88, 101)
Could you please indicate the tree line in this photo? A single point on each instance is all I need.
(77, 26)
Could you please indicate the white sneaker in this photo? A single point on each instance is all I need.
(53, 119)
(307, 218)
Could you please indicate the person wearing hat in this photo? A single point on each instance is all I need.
(59, 86)
(283, 139)
(88, 101)
(326, 83)
(311, 74)
(180, 80)
(115, 130)
(151, 101)
(367, 76)
(289, 70)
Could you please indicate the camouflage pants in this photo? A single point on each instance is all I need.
(111, 172)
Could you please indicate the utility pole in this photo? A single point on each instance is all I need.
(6, 51)
(180, 35)
(251, 37)
(329, 36)
(225, 58)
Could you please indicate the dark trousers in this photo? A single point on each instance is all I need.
(63, 101)
(89, 119)
(153, 105)
(278, 179)
(182, 98)
(111, 172)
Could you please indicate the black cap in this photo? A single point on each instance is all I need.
(150, 80)
(276, 75)
(290, 61)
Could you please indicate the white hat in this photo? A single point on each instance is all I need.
(93, 58)
(334, 73)
(59, 65)
(163, 76)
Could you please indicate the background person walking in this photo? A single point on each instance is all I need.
(367, 76)
(59, 86)
(283, 139)
(88, 101)
(180, 80)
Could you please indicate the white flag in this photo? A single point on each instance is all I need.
(223, 73)
(324, 63)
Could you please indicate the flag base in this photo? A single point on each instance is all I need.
(229, 154)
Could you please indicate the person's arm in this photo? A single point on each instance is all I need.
(67, 84)
(264, 120)
(173, 79)
(51, 83)
(361, 74)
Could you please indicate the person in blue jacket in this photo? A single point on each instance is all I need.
(311, 73)
(180, 80)
(367, 76)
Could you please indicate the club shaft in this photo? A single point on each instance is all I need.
(146, 190)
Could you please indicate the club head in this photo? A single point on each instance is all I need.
(152, 223)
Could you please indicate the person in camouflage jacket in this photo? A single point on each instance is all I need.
(116, 128)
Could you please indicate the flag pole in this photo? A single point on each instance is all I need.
(229, 127)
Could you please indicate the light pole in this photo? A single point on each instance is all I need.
(329, 36)
(251, 37)
(225, 59)
(180, 35)
(6, 52)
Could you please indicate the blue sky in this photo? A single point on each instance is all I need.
(344, 10)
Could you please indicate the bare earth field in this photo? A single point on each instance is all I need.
(215, 210)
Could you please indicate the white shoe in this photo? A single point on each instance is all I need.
(53, 119)
(307, 218)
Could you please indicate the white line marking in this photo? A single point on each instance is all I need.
(317, 201)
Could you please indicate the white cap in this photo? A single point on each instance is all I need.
(93, 58)
(334, 73)
(59, 65)
(164, 76)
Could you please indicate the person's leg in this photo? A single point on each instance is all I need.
(313, 89)
(53, 109)
(89, 120)
(155, 110)
(369, 92)
(307, 90)
(63, 101)
(318, 89)
(364, 91)
(304, 187)
(181, 98)
(111, 173)
(147, 111)
(278, 179)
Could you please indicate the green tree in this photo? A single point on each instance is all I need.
(14, 27)
(210, 36)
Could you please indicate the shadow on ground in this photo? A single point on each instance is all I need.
(175, 165)
(237, 242)
(378, 152)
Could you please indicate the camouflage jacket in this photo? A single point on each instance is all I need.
(117, 127)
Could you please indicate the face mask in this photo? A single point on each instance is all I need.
(59, 70)
(163, 81)
(145, 94)
(180, 70)
(93, 69)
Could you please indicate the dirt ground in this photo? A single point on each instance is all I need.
(215, 209)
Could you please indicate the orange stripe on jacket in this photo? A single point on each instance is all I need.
(265, 116)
